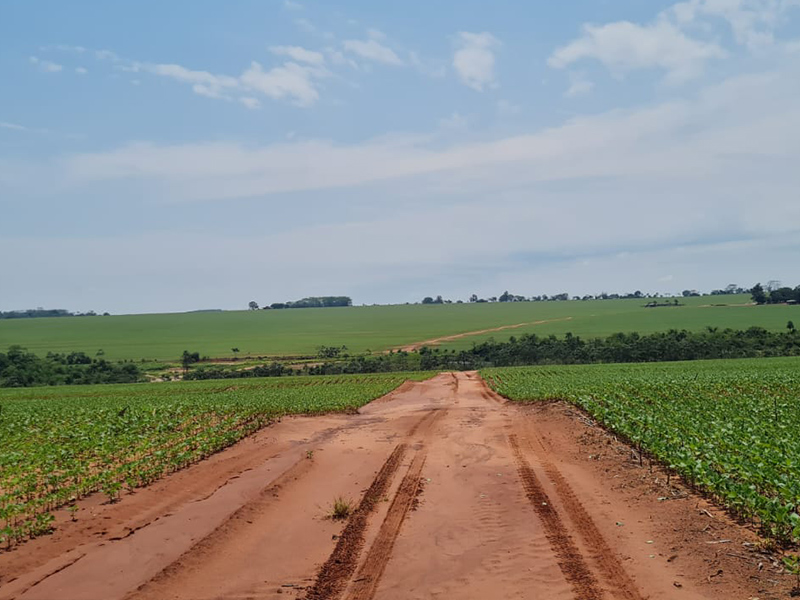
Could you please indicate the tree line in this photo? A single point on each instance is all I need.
(530, 349)
(20, 368)
(36, 313)
(563, 296)
(312, 302)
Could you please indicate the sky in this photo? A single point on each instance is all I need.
(169, 156)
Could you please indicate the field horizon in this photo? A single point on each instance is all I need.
(300, 332)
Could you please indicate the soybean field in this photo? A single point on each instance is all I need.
(731, 428)
(61, 444)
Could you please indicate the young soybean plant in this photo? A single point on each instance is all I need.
(792, 564)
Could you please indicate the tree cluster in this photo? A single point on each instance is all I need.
(20, 368)
(314, 302)
(775, 294)
(36, 313)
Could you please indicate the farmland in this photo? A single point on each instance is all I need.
(299, 332)
(59, 445)
(731, 428)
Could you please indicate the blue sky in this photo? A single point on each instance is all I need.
(170, 156)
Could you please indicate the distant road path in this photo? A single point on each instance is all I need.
(458, 336)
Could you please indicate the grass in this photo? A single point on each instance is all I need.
(340, 509)
(299, 332)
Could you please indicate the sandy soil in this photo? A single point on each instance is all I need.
(449, 338)
(455, 494)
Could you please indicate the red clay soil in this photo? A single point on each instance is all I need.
(455, 494)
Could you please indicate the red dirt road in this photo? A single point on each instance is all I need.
(455, 494)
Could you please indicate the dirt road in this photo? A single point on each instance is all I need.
(455, 494)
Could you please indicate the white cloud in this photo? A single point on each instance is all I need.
(454, 121)
(106, 55)
(700, 163)
(250, 102)
(291, 5)
(290, 81)
(753, 22)
(680, 40)
(203, 83)
(624, 46)
(372, 50)
(579, 85)
(474, 59)
(81, 70)
(46, 65)
(299, 54)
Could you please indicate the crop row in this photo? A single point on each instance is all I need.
(731, 428)
(61, 444)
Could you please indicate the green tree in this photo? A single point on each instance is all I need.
(189, 358)
(758, 294)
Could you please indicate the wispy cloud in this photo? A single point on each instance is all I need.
(46, 65)
(292, 5)
(474, 59)
(579, 85)
(299, 54)
(14, 126)
(373, 50)
(294, 81)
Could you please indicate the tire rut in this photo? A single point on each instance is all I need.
(570, 560)
(335, 574)
(607, 563)
(340, 566)
(367, 579)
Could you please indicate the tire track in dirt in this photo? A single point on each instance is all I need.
(230, 528)
(334, 575)
(366, 581)
(341, 564)
(570, 560)
(606, 561)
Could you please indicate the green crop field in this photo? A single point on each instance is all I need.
(729, 427)
(60, 444)
(296, 332)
